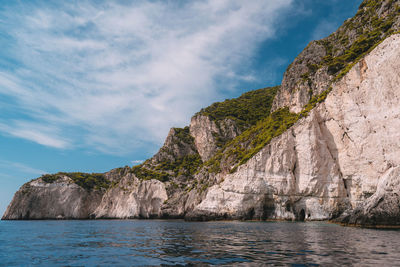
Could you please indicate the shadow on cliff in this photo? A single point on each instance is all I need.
(345, 183)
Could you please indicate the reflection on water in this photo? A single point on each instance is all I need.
(136, 242)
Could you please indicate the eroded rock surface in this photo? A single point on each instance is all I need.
(206, 132)
(62, 199)
(132, 198)
(332, 160)
(321, 61)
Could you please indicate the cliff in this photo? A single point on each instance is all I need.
(341, 161)
(325, 61)
(322, 146)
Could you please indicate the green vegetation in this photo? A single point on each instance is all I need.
(49, 178)
(245, 110)
(363, 44)
(353, 40)
(144, 173)
(204, 187)
(369, 4)
(246, 145)
(171, 165)
(371, 30)
(186, 165)
(260, 135)
(181, 138)
(313, 102)
(87, 181)
(183, 135)
(243, 147)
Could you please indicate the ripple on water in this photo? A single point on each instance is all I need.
(156, 242)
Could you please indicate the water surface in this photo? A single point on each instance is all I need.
(157, 242)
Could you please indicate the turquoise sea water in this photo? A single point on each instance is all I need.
(157, 242)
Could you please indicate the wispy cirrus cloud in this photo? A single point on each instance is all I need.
(110, 76)
(36, 132)
(18, 167)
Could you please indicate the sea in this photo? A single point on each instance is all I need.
(180, 243)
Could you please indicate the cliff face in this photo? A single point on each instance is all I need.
(132, 198)
(322, 61)
(206, 133)
(336, 157)
(62, 199)
(343, 157)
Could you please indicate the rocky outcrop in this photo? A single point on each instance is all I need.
(204, 130)
(62, 199)
(178, 144)
(382, 209)
(322, 61)
(333, 160)
(206, 133)
(218, 124)
(132, 198)
(294, 177)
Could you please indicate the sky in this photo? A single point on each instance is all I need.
(94, 85)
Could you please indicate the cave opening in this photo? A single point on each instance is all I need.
(302, 215)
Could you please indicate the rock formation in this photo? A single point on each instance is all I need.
(323, 146)
(62, 199)
(322, 61)
(343, 157)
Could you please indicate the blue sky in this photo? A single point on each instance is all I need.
(93, 85)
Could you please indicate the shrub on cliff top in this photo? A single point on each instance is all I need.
(183, 135)
(87, 181)
(144, 173)
(245, 110)
(370, 31)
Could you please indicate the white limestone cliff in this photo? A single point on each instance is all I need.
(132, 198)
(62, 199)
(204, 130)
(330, 161)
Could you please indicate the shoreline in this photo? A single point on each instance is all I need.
(377, 227)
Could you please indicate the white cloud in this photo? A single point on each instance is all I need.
(38, 133)
(19, 167)
(111, 76)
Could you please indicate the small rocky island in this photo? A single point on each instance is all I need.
(324, 145)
